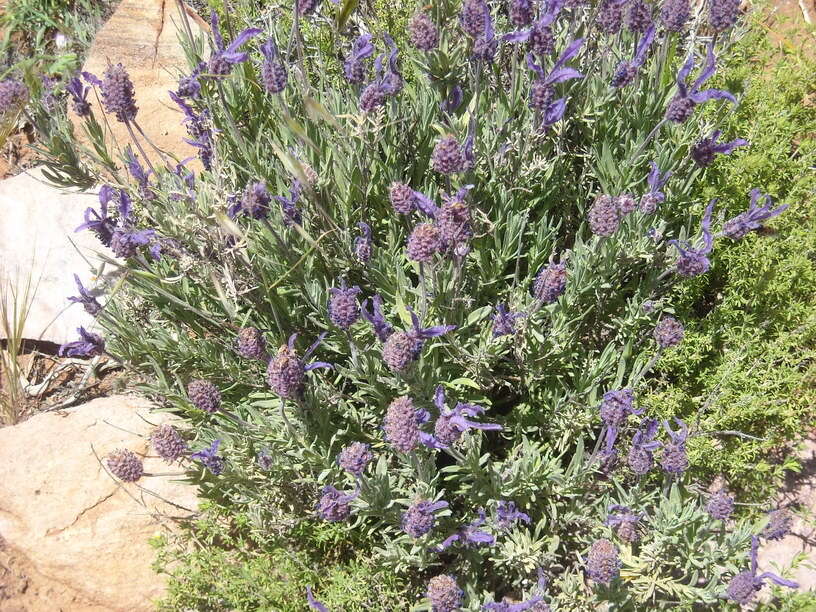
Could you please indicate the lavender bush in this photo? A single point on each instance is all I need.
(423, 309)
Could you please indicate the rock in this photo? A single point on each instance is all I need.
(36, 237)
(142, 35)
(60, 510)
(799, 493)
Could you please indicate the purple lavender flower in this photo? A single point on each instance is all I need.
(507, 513)
(520, 12)
(335, 506)
(224, 58)
(469, 534)
(504, 321)
(353, 67)
(139, 174)
(554, 111)
(401, 424)
(610, 16)
(88, 301)
(603, 564)
(307, 7)
(616, 407)
(198, 129)
(189, 86)
(675, 458)
(403, 347)
(485, 45)
(448, 156)
(401, 197)
(392, 82)
(425, 240)
(720, 505)
(454, 222)
(607, 457)
(472, 17)
(704, 150)
(550, 282)
(127, 240)
(693, 262)
(204, 395)
(88, 345)
(453, 101)
(641, 454)
(656, 180)
(723, 14)
(638, 16)
(625, 522)
(743, 587)
(423, 33)
(79, 97)
(273, 72)
(419, 519)
(362, 244)
(604, 216)
(534, 604)
(99, 222)
(286, 372)
(382, 328)
(648, 307)
(291, 213)
(674, 14)
(13, 94)
(118, 96)
(168, 443)
(669, 332)
(452, 423)
(752, 219)
(251, 344)
(344, 309)
(626, 203)
(355, 457)
(125, 465)
(627, 71)
(209, 457)
(686, 99)
(313, 603)
(779, 525)
(539, 36)
(444, 594)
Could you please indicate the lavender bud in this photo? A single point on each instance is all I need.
(355, 457)
(648, 307)
(372, 97)
(168, 443)
(624, 75)
(285, 373)
(674, 459)
(520, 12)
(453, 222)
(703, 152)
(610, 16)
(334, 505)
(402, 197)
(255, 200)
(542, 39)
(204, 395)
(550, 282)
(638, 16)
(627, 531)
(444, 594)
(603, 564)
(344, 309)
(692, 263)
(723, 14)
(616, 407)
(541, 95)
(188, 86)
(125, 465)
(251, 343)
(680, 109)
(779, 525)
(419, 519)
(401, 424)
(422, 32)
(742, 587)
(274, 76)
(626, 203)
(675, 14)
(720, 505)
(362, 244)
(446, 431)
(649, 202)
(399, 350)
(13, 94)
(448, 156)
(669, 332)
(604, 216)
(118, 94)
(472, 17)
(423, 242)
(640, 461)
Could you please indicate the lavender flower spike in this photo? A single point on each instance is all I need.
(291, 214)
(452, 423)
(335, 506)
(286, 371)
(99, 222)
(507, 513)
(554, 111)
(419, 519)
(79, 96)
(273, 71)
(656, 181)
(403, 347)
(693, 262)
(88, 301)
(469, 534)
(224, 58)
(362, 244)
(641, 454)
(313, 603)
(209, 457)
(704, 150)
(353, 67)
(504, 321)
(90, 344)
(743, 586)
(382, 328)
(675, 459)
(627, 71)
(539, 35)
(687, 98)
(750, 220)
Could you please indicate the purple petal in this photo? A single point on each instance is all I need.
(436, 330)
(709, 70)
(313, 603)
(531, 64)
(563, 74)
(517, 37)
(318, 364)
(554, 112)
(727, 148)
(447, 542)
(712, 94)
(568, 53)
(242, 38)
(682, 75)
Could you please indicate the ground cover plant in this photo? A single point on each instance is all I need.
(410, 323)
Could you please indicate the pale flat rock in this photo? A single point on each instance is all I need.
(800, 491)
(142, 35)
(73, 522)
(37, 237)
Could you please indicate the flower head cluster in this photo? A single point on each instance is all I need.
(553, 111)
(472, 17)
(355, 457)
(743, 587)
(254, 202)
(444, 594)
(454, 222)
(448, 157)
(291, 213)
(669, 332)
(286, 372)
(401, 424)
(344, 308)
(13, 94)
(204, 395)
(720, 505)
(674, 459)
(190, 86)
(752, 219)
(125, 465)
(507, 513)
(626, 72)
(654, 197)
(616, 407)
(453, 422)
(604, 216)
(401, 348)
(273, 71)
(387, 82)
(425, 241)
(682, 105)
(625, 522)
(723, 14)
(251, 344)
(674, 14)
(704, 150)
(118, 95)
(353, 67)
(504, 321)
(603, 563)
(88, 345)
(779, 525)
(641, 453)
(335, 506)
(382, 328)
(694, 261)
(539, 36)
(168, 443)
(210, 458)
(88, 301)
(362, 243)
(638, 16)
(419, 519)
(610, 16)
(550, 282)
(423, 33)
(199, 130)
(470, 534)
(223, 58)
(79, 96)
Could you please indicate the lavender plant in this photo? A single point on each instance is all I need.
(468, 249)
